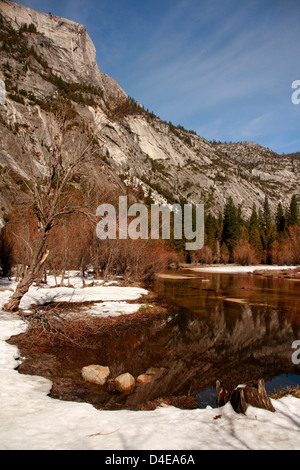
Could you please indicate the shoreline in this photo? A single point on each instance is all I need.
(32, 419)
(238, 269)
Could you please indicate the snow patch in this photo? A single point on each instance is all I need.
(241, 269)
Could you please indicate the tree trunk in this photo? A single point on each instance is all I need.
(29, 277)
(253, 393)
(22, 288)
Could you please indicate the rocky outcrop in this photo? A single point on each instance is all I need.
(164, 161)
(64, 44)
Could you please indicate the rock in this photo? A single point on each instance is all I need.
(95, 374)
(65, 44)
(125, 383)
(136, 142)
(157, 371)
(144, 379)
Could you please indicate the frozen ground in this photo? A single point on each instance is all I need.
(29, 419)
(112, 297)
(240, 269)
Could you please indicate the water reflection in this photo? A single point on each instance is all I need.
(229, 327)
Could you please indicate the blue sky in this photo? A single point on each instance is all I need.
(223, 68)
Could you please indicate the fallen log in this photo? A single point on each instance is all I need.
(252, 393)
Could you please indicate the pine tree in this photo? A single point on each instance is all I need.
(231, 228)
(267, 216)
(293, 217)
(253, 218)
(255, 241)
(268, 235)
(211, 232)
(255, 232)
(280, 219)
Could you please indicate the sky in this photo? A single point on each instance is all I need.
(222, 68)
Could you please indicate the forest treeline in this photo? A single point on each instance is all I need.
(262, 238)
(73, 243)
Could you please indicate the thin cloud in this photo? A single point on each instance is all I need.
(205, 64)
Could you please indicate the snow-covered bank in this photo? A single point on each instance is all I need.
(30, 419)
(240, 269)
(113, 298)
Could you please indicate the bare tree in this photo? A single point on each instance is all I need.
(64, 160)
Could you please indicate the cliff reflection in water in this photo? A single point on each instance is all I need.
(229, 327)
(233, 327)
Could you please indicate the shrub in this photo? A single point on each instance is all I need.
(204, 256)
(244, 253)
(134, 260)
(225, 256)
(294, 244)
(288, 252)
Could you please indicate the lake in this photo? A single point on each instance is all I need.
(231, 327)
(235, 328)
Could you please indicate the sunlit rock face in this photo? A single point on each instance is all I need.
(144, 152)
(65, 44)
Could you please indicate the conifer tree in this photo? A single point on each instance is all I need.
(268, 235)
(255, 234)
(230, 225)
(293, 217)
(280, 219)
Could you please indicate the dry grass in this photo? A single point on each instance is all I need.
(64, 324)
(293, 391)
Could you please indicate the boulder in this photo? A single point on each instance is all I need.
(95, 374)
(151, 374)
(125, 383)
(144, 379)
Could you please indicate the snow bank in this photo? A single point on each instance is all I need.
(113, 296)
(240, 269)
(31, 420)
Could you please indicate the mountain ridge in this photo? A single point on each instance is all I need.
(45, 59)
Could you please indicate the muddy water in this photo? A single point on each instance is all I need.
(230, 327)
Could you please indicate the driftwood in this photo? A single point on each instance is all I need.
(253, 393)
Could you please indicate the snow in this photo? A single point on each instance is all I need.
(112, 297)
(31, 420)
(240, 269)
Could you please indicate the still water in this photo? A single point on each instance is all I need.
(231, 327)
(236, 327)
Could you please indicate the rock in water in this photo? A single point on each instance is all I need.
(95, 374)
(144, 379)
(125, 383)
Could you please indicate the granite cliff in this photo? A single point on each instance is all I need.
(46, 60)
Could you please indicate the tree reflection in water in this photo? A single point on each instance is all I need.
(230, 327)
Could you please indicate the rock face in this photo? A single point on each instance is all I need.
(95, 374)
(55, 59)
(64, 44)
(125, 383)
